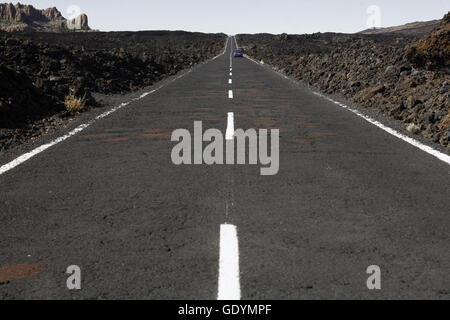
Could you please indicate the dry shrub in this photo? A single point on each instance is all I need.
(74, 104)
(445, 122)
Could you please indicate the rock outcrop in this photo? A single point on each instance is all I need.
(79, 23)
(20, 17)
(433, 51)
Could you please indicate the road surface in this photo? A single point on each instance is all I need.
(108, 199)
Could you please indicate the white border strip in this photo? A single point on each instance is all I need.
(435, 153)
(229, 282)
(11, 165)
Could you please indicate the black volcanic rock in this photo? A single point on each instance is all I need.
(371, 70)
(40, 69)
(20, 100)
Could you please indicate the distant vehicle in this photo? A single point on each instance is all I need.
(239, 53)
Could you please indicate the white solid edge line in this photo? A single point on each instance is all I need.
(435, 153)
(229, 282)
(230, 94)
(11, 165)
(441, 156)
(229, 135)
(21, 159)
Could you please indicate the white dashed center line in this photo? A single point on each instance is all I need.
(229, 135)
(229, 282)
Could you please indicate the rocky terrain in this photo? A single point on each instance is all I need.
(25, 18)
(39, 71)
(419, 28)
(400, 75)
(433, 51)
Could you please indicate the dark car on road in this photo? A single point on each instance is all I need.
(239, 53)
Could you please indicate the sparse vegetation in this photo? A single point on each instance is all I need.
(413, 128)
(73, 103)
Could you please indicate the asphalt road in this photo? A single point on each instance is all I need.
(348, 195)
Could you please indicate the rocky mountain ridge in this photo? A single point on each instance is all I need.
(418, 28)
(20, 17)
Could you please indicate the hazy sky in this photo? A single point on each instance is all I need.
(249, 16)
